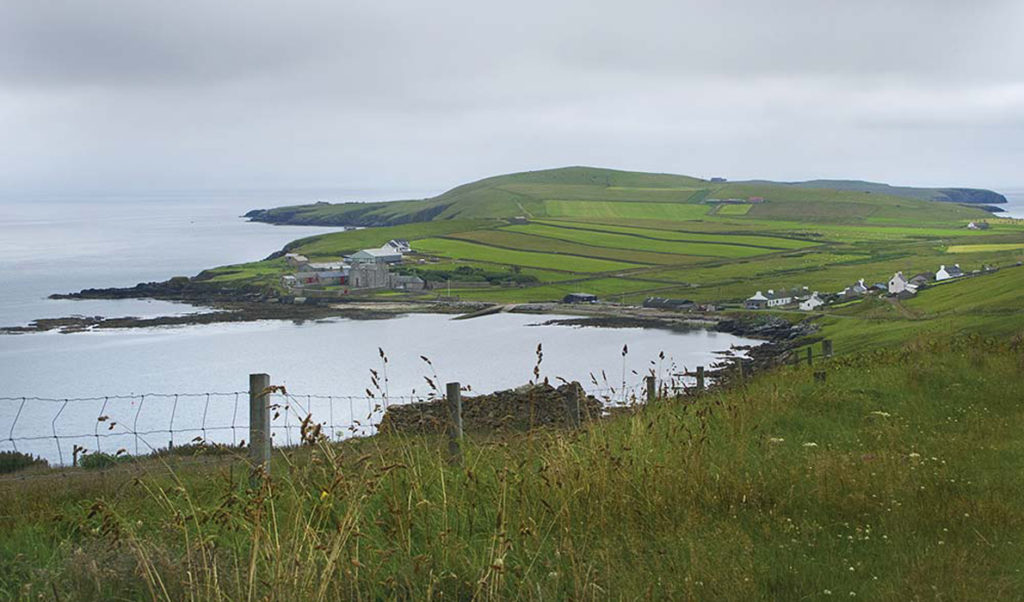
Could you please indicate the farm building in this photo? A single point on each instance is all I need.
(325, 278)
(384, 254)
(322, 266)
(409, 283)
(579, 298)
(370, 274)
(977, 226)
(295, 260)
(945, 273)
(757, 301)
(665, 303)
(922, 279)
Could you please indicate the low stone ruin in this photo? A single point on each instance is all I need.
(521, 409)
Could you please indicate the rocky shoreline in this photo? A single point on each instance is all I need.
(249, 304)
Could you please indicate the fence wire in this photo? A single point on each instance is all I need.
(101, 431)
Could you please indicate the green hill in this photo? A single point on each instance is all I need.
(589, 190)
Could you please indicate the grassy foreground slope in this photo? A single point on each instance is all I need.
(897, 479)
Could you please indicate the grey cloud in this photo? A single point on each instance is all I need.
(193, 93)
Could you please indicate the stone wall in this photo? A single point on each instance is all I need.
(515, 409)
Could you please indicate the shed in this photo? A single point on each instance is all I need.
(667, 303)
(383, 255)
(579, 298)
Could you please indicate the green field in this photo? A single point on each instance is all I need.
(733, 210)
(682, 234)
(984, 248)
(513, 239)
(467, 250)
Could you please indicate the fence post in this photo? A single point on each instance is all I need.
(453, 396)
(826, 347)
(700, 378)
(652, 388)
(810, 355)
(572, 407)
(259, 422)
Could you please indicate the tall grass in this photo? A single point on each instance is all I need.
(898, 478)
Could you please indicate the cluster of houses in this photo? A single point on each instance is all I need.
(898, 286)
(805, 299)
(365, 269)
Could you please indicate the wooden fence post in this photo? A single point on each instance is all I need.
(259, 422)
(826, 347)
(700, 378)
(453, 395)
(572, 407)
(652, 388)
(810, 355)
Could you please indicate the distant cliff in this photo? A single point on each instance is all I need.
(970, 196)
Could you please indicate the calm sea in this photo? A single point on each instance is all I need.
(1015, 204)
(56, 245)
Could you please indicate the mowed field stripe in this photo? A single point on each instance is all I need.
(615, 240)
(676, 236)
(462, 249)
(546, 244)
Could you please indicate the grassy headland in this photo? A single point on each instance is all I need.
(625, 236)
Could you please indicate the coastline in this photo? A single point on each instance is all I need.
(778, 334)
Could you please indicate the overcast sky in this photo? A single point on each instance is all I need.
(190, 94)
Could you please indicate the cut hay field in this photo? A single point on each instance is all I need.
(670, 231)
(460, 249)
(624, 210)
(513, 239)
(984, 248)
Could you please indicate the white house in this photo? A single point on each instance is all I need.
(945, 273)
(778, 300)
(398, 244)
(812, 302)
(897, 284)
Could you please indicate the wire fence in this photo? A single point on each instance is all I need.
(86, 431)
